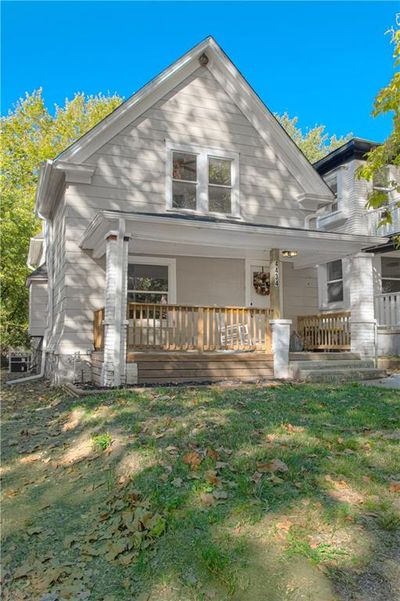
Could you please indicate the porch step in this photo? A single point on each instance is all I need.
(297, 367)
(341, 375)
(331, 356)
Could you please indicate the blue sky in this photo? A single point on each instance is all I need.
(321, 61)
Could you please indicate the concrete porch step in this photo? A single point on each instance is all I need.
(308, 356)
(296, 367)
(334, 376)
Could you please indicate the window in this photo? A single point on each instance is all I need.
(390, 274)
(333, 185)
(219, 185)
(184, 180)
(335, 281)
(148, 283)
(202, 180)
(381, 184)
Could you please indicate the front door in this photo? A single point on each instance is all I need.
(258, 285)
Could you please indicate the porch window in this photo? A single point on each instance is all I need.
(202, 180)
(390, 274)
(335, 281)
(148, 283)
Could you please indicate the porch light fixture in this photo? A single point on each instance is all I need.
(289, 253)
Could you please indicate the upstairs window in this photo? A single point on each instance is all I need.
(332, 182)
(184, 181)
(335, 281)
(204, 181)
(381, 184)
(390, 274)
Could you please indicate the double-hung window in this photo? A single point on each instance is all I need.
(390, 274)
(201, 180)
(334, 281)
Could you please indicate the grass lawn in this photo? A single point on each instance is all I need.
(251, 493)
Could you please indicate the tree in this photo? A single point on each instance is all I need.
(315, 143)
(30, 134)
(388, 153)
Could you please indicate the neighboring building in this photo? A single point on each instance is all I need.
(177, 228)
(347, 214)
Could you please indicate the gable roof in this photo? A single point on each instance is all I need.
(208, 54)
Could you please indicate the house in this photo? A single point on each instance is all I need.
(348, 215)
(180, 245)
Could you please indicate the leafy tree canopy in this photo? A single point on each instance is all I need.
(315, 142)
(387, 101)
(30, 135)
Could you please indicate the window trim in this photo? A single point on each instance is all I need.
(335, 175)
(170, 263)
(203, 154)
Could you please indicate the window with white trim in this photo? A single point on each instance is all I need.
(334, 281)
(332, 182)
(147, 283)
(381, 184)
(390, 274)
(202, 180)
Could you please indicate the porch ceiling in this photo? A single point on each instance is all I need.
(173, 234)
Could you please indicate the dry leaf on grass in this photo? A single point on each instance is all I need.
(394, 487)
(213, 454)
(207, 499)
(193, 459)
(276, 465)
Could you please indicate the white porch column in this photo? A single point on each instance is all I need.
(280, 347)
(115, 317)
(362, 321)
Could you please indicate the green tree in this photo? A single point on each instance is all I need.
(387, 101)
(315, 142)
(30, 134)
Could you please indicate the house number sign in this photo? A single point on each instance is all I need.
(275, 274)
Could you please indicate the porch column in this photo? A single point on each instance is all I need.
(275, 283)
(115, 313)
(362, 323)
(280, 347)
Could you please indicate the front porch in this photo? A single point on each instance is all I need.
(151, 327)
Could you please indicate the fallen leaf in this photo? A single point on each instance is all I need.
(211, 477)
(213, 454)
(220, 494)
(276, 465)
(207, 499)
(394, 487)
(177, 482)
(193, 459)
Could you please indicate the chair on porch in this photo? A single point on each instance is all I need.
(233, 334)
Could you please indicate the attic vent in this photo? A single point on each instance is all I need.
(203, 59)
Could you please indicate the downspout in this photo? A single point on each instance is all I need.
(49, 262)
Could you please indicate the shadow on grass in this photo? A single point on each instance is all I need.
(268, 536)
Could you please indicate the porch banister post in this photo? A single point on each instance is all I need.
(275, 283)
(362, 321)
(115, 314)
(280, 347)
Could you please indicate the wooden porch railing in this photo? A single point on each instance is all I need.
(387, 309)
(198, 328)
(98, 330)
(325, 331)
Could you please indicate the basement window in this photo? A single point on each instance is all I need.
(335, 281)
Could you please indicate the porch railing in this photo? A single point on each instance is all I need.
(325, 331)
(197, 328)
(98, 329)
(375, 217)
(387, 309)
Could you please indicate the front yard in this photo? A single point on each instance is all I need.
(252, 493)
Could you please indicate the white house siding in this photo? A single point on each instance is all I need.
(205, 281)
(37, 307)
(300, 292)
